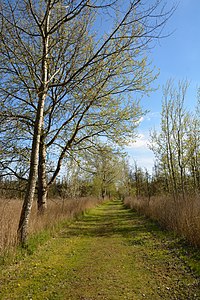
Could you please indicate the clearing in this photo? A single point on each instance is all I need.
(110, 253)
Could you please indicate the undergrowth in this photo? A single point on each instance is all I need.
(180, 224)
(41, 228)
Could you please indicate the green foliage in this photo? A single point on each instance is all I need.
(102, 169)
(177, 146)
(92, 79)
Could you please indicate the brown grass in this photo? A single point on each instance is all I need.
(57, 211)
(181, 216)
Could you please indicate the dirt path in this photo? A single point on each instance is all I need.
(111, 254)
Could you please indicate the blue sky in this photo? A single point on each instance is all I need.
(177, 57)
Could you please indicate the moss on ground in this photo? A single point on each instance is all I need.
(110, 253)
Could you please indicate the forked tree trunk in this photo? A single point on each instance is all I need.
(28, 201)
(33, 174)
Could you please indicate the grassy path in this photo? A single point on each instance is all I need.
(111, 254)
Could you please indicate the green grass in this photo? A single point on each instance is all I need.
(109, 253)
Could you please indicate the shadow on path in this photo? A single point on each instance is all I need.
(109, 220)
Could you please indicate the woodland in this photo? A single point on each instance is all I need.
(70, 93)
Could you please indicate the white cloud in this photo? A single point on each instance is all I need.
(140, 120)
(138, 151)
(145, 161)
(152, 115)
(140, 142)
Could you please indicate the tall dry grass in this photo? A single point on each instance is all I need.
(57, 211)
(181, 216)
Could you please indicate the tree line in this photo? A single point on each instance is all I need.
(177, 145)
(171, 194)
(102, 174)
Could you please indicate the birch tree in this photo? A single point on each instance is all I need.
(62, 84)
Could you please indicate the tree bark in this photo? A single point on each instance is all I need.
(42, 182)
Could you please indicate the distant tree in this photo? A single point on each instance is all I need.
(140, 181)
(177, 145)
(101, 166)
(193, 150)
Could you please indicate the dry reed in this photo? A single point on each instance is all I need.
(181, 216)
(57, 211)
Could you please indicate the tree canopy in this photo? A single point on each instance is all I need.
(63, 82)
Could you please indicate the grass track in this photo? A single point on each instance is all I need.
(111, 253)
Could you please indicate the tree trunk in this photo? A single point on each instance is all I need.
(33, 173)
(42, 182)
(27, 205)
